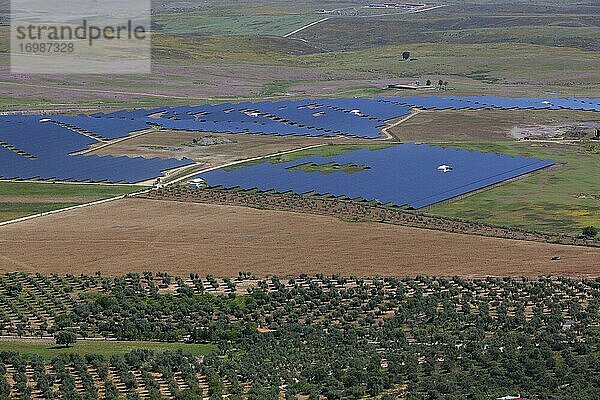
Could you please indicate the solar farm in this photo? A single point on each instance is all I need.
(356, 117)
(32, 147)
(403, 175)
(47, 147)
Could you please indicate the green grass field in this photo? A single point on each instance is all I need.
(20, 199)
(276, 88)
(558, 200)
(47, 190)
(202, 23)
(47, 349)
(578, 31)
(512, 62)
(10, 211)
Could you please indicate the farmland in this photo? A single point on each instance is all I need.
(356, 210)
(183, 237)
(201, 23)
(126, 232)
(492, 125)
(402, 336)
(26, 198)
(239, 68)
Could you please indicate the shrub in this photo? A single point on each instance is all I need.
(590, 232)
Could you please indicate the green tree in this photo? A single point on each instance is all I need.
(65, 338)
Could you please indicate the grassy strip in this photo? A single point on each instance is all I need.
(45, 190)
(10, 211)
(21, 199)
(276, 88)
(184, 172)
(202, 23)
(47, 349)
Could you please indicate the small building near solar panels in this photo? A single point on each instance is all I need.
(197, 183)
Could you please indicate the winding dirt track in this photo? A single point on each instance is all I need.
(179, 238)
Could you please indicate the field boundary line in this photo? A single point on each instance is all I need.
(123, 92)
(46, 111)
(77, 207)
(400, 13)
(306, 27)
(45, 339)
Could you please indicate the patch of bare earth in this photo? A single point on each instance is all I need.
(491, 125)
(180, 238)
(178, 144)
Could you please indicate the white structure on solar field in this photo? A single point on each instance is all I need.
(197, 183)
(445, 168)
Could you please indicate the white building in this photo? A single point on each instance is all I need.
(197, 183)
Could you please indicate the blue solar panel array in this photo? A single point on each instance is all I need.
(490, 102)
(106, 127)
(45, 147)
(309, 118)
(41, 150)
(358, 117)
(404, 175)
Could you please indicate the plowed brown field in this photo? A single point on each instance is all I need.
(179, 238)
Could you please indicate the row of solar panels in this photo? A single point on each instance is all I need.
(358, 117)
(42, 139)
(48, 147)
(106, 128)
(480, 102)
(310, 118)
(85, 168)
(404, 175)
(318, 118)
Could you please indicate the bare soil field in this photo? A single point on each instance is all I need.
(178, 144)
(354, 211)
(180, 238)
(491, 125)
